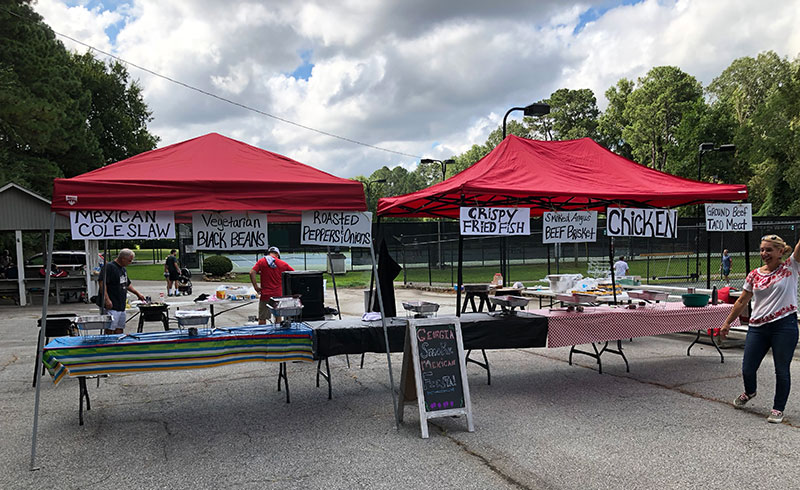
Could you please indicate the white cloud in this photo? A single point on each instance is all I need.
(418, 77)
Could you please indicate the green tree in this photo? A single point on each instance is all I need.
(760, 96)
(654, 111)
(612, 122)
(573, 114)
(118, 117)
(49, 118)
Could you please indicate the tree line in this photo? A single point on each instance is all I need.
(61, 113)
(660, 120)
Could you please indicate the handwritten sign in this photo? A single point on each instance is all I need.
(434, 359)
(495, 221)
(140, 225)
(212, 230)
(729, 217)
(569, 226)
(657, 223)
(336, 228)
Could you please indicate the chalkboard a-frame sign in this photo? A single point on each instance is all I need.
(434, 356)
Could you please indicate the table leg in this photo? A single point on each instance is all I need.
(83, 392)
(282, 374)
(710, 342)
(484, 364)
(211, 310)
(141, 324)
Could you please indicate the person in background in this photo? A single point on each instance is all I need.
(114, 297)
(270, 268)
(172, 271)
(725, 266)
(5, 263)
(773, 321)
(620, 267)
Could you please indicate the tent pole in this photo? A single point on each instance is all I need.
(708, 260)
(333, 278)
(611, 261)
(385, 337)
(460, 277)
(42, 329)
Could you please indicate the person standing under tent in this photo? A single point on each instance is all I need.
(773, 321)
(172, 271)
(270, 268)
(620, 267)
(725, 266)
(114, 297)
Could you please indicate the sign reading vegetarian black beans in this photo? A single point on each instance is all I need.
(439, 367)
(433, 372)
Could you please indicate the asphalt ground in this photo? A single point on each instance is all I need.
(542, 423)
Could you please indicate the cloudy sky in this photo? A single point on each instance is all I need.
(422, 78)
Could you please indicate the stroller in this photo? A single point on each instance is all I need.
(185, 281)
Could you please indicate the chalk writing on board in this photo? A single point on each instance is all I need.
(439, 367)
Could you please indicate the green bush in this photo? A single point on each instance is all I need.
(217, 265)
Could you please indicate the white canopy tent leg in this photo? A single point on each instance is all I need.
(92, 248)
(385, 335)
(42, 329)
(23, 299)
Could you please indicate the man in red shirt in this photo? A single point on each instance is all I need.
(270, 268)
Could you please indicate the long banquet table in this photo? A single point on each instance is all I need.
(614, 323)
(172, 350)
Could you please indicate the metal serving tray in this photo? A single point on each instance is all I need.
(91, 322)
(509, 301)
(192, 317)
(422, 307)
(648, 295)
(285, 306)
(577, 298)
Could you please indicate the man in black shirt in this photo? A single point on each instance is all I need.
(115, 295)
(172, 272)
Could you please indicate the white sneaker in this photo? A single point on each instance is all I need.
(775, 417)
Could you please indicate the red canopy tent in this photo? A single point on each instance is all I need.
(207, 173)
(556, 176)
(210, 172)
(553, 176)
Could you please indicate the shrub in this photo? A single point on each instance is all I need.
(217, 265)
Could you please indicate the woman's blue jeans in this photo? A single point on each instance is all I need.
(781, 336)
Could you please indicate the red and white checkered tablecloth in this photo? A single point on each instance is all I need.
(598, 324)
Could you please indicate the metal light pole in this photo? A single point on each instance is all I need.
(535, 109)
(444, 164)
(705, 148)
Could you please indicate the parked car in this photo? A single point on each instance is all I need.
(71, 261)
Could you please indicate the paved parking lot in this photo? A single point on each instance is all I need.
(541, 424)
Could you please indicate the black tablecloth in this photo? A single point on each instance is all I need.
(480, 331)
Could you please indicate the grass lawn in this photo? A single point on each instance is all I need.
(527, 273)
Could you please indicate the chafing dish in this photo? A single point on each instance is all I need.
(421, 308)
(508, 303)
(577, 298)
(192, 317)
(648, 295)
(477, 288)
(285, 306)
(90, 322)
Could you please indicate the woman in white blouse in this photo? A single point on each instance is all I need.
(773, 321)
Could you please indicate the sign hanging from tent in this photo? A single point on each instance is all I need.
(123, 225)
(729, 217)
(336, 228)
(647, 223)
(569, 226)
(213, 230)
(495, 221)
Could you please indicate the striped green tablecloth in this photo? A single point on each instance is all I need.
(164, 351)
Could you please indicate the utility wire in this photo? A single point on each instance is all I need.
(219, 97)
